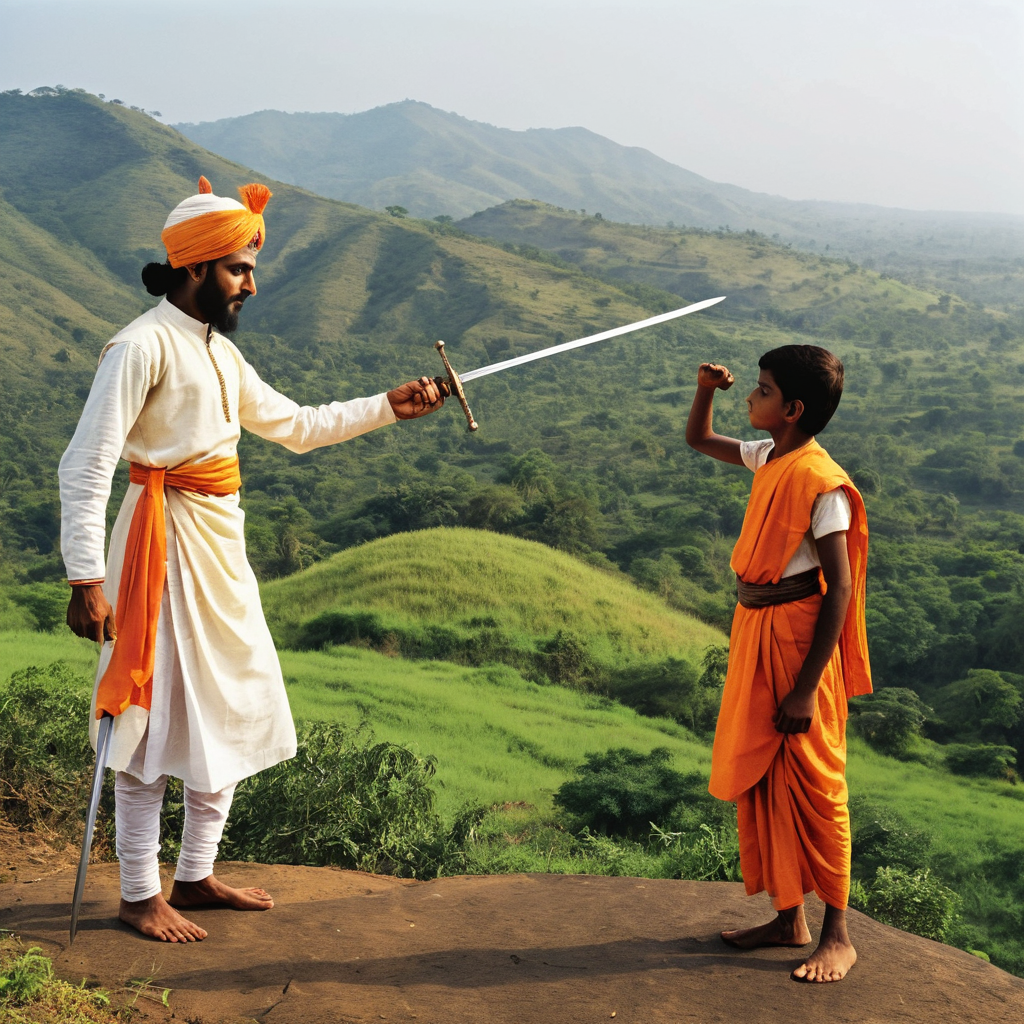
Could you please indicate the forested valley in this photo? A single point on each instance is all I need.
(583, 452)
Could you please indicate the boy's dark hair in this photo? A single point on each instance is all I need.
(161, 278)
(810, 373)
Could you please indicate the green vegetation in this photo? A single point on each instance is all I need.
(507, 745)
(30, 993)
(412, 574)
(913, 901)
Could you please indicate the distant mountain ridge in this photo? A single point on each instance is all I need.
(434, 162)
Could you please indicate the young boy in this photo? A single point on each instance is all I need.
(798, 650)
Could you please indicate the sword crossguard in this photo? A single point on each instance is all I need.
(454, 384)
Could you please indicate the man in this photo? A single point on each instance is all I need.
(193, 681)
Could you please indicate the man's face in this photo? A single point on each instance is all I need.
(228, 283)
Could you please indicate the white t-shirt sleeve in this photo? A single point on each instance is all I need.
(755, 453)
(831, 513)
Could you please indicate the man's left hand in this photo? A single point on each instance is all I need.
(417, 398)
(796, 711)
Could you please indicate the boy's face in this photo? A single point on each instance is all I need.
(767, 408)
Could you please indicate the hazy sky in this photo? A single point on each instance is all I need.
(896, 102)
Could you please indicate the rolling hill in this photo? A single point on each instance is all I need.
(438, 163)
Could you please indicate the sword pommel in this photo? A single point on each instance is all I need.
(454, 384)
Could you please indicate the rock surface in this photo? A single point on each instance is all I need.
(342, 946)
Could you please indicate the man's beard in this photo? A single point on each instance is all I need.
(215, 307)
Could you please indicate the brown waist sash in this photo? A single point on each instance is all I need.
(129, 676)
(789, 588)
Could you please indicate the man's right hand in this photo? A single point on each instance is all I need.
(712, 375)
(90, 614)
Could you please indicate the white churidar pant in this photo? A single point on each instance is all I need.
(137, 818)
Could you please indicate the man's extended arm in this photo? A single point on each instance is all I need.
(796, 709)
(700, 434)
(301, 428)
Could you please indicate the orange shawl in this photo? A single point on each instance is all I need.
(129, 676)
(767, 645)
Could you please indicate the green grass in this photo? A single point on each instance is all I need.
(454, 577)
(497, 737)
(21, 648)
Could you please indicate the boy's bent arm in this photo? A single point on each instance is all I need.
(700, 434)
(796, 709)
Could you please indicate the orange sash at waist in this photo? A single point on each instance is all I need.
(129, 676)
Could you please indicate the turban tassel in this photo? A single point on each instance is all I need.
(217, 227)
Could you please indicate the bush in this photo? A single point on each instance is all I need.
(47, 603)
(346, 801)
(46, 761)
(622, 792)
(671, 688)
(567, 661)
(987, 759)
(912, 901)
(889, 719)
(705, 855)
(881, 837)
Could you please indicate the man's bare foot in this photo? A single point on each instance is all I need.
(211, 892)
(157, 920)
(835, 954)
(788, 929)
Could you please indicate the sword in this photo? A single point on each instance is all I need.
(452, 384)
(102, 749)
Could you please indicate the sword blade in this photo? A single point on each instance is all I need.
(615, 332)
(102, 750)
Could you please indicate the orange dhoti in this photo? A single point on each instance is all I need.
(790, 789)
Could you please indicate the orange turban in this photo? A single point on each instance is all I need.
(206, 227)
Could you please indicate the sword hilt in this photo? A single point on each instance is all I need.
(454, 384)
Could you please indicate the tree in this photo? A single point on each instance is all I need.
(397, 211)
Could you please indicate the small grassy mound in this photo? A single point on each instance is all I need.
(475, 581)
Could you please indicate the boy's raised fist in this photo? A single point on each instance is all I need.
(712, 375)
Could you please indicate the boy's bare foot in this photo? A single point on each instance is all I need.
(788, 929)
(211, 892)
(835, 954)
(155, 919)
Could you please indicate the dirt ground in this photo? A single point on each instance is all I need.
(342, 946)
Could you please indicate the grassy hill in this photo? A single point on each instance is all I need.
(434, 162)
(459, 577)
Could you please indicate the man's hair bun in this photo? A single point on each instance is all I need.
(161, 278)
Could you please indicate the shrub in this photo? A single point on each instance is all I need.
(622, 791)
(704, 855)
(912, 901)
(984, 706)
(567, 661)
(346, 801)
(889, 719)
(987, 759)
(46, 761)
(671, 688)
(881, 837)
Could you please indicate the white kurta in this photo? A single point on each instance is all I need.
(220, 712)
